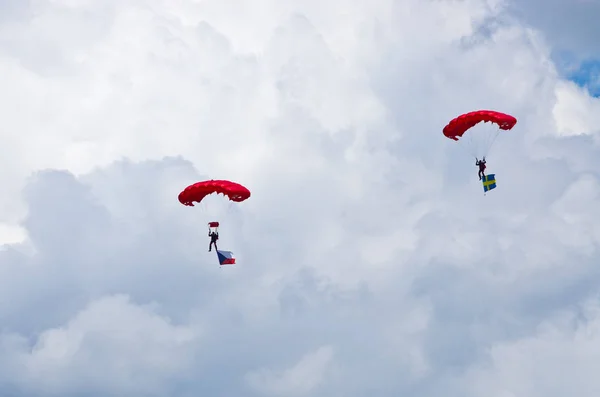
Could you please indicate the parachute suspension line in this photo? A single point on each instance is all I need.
(483, 129)
(473, 145)
(469, 145)
(490, 132)
(495, 135)
(465, 144)
(480, 142)
(487, 131)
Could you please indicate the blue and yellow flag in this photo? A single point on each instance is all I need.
(489, 182)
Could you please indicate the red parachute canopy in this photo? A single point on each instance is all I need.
(457, 127)
(213, 224)
(198, 191)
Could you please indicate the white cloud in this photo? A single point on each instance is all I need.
(536, 365)
(576, 112)
(112, 346)
(569, 25)
(367, 240)
(301, 379)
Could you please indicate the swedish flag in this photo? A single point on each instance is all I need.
(489, 182)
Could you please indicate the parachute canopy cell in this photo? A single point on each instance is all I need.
(458, 126)
(197, 191)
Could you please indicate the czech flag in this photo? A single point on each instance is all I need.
(225, 257)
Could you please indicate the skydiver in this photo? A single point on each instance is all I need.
(214, 236)
(481, 165)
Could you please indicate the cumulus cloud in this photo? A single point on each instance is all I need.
(569, 25)
(566, 340)
(369, 261)
(576, 113)
(301, 379)
(110, 346)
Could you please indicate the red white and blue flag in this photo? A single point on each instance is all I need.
(225, 257)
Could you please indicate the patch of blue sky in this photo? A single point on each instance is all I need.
(588, 75)
(585, 73)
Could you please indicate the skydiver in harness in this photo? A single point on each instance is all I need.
(214, 236)
(481, 165)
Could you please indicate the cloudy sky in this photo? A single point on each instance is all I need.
(369, 261)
